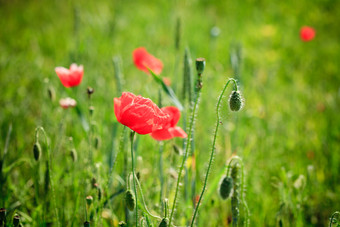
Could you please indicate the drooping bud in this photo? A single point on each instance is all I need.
(164, 222)
(51, 93)
(200, 65)
(130, 200)
(89, 200)
(235, 101)
(16, 220)
(36, 151)
(74, 155)
(226, 187)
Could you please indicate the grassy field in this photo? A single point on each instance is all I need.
(287, 134)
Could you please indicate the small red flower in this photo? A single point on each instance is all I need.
(67, 102)
(139, 114)
(170, 130)
(70, 77)
(307, 33)
(144, 61)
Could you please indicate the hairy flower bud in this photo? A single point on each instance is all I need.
(235, 101)
(164, 222)
(226, 187)
(36, 151)
(130, 200)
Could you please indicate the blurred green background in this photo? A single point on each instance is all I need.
(288, 130)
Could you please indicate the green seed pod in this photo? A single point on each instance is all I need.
(235, 101)
(200, 65)
(130, 200)
(164, 222)
(16, 220)
(97, 142)
(86, 224)
(37, 151)
(122, 224)
(89, 200)
(226, 187)
(74, 155)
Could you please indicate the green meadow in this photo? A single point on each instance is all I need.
(287, 135)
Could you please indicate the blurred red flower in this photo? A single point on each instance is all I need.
(70, 77)
(170, 130)
(67, 102)
(144, 61)
(307, 33)
(139, 114)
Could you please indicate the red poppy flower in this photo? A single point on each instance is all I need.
(307, 33)
(70, 77)
(139, 114)
(144, 61)
(170, 130)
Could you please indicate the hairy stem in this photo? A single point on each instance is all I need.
(213, 146)
(133, 173)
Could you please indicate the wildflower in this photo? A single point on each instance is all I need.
(307, 33)
(170, 130)
(67, 102)
(145, 61)
(139, 114)
(70, 77)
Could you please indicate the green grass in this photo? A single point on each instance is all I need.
(288, 127)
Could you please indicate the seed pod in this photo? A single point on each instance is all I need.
(122, 224)
(235, 101)
(226, 187)
(130, 200)
(16, 220)
(200, 65)
(164, 222)
(74, 155)
(89, 200)
(36, 151)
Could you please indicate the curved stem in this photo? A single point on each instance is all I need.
(133, 173)
(143, 200)
(213, 146)
(49, 169)
(185, 154)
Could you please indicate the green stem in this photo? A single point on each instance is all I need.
(143, 200)
(49, 170)
(161, 177)
(213, 146)
(132, 135)
(185, 154)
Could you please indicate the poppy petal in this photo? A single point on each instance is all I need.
(145, 61)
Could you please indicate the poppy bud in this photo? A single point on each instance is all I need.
(74, 155)
(36, 151)
(177, 150)
(235, 101)
(200, 65)
(164, 222)
(122, 224)
(226, 187)
(51, 93)
(89, 200)
(16, 220)
(130, 200)
(86, 224)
